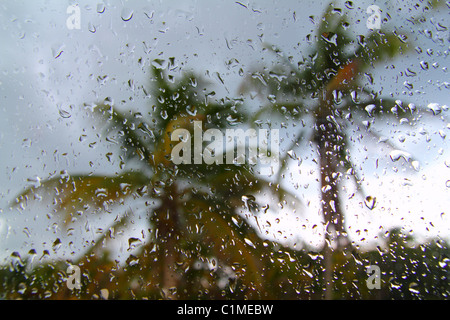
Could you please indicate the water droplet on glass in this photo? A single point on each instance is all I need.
(413, 287)
(369, 109)
(424, 65)
(434, 108)
(164, 114)
(370, 202)
(233, 119)
(57, 52)
(101, 8)
(397, 154)
(250, 243)
(126, 14)
(104, 294)
(21, 288)
(91, 27)
(133, 243)
(132, 260)
(248, 199)
(291, 154)
(56, 244)
(64, 114)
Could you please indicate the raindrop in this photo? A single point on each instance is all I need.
(104, 294)
(21, 288)
(337, 97)
(101, 193)
(250, 243)
(125, 188)
(291, 154)
(349, 4)
(248, 199)
(354, 96)
(397, 154)
(16, 260)
(101, 8)
(370, 202)
(413, 288)
(45, 254)
(193, 82)
(191, 110)
(369, 109)
(57, 51)
(428, 33)
(272, 98)
(164, 114)
(92, 28)
(416, 165)
(133, 243)
(64, 114)
(132, 260)
(56, 244)
(366, 124)
(235, 221)
(126, 14)
(424, 65)
(434, 108)
(408, 85)
(233, 120)
(314, 255)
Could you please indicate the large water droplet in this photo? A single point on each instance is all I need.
(370, 202)
(104, 294)
(250, 243)
(164, 114)
(416, 165)
(435, 108)
(101, 8)
(248, 200)
(126, 14)
(397, 154)
(369, 109)
(133, 243)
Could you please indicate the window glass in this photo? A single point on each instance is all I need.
(212, 150)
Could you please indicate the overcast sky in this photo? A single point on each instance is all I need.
(47, 72)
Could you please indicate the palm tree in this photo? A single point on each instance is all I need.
(196, 232)
(330, 91)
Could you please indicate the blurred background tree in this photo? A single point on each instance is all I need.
(199, 245)
(330, 92)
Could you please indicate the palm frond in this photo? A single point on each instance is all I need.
(78, 193)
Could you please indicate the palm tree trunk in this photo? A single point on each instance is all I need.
(167, 226)
(327, 137)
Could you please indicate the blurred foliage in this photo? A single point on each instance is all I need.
(408, 271)
(199, 245)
